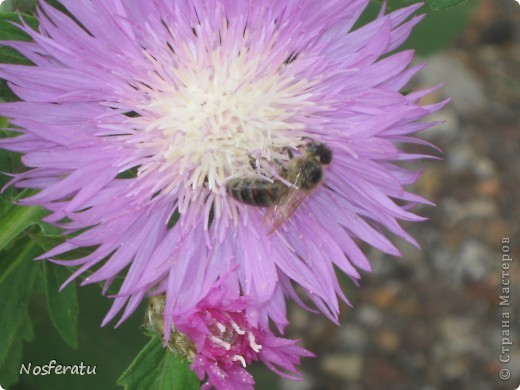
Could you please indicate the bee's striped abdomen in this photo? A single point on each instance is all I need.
(253, 191)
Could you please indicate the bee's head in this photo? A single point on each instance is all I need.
(320, 151)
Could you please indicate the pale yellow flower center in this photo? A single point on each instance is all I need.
(221, 112)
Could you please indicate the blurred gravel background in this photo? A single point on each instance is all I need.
(431, 319)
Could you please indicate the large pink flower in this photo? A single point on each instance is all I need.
(137, 113)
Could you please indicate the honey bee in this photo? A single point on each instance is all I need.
(305, 173)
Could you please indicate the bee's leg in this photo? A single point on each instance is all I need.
(289, 152)
(308, 139)
(280, 176)
(253, 162)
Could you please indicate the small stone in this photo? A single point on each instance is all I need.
(461, 159)
(305, 384)
(454, 369)
(388, 340)
(481, 208)
(347, 367)
(452, 211)
(462, 85)
(458, 336)
(449, 128)
(484, 168)
(353, 337)
(384, 297)
(489, 187)
(369, 316)
(430, 183)
(472, 262)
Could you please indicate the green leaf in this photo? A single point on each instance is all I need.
(47, 242)
(17, 274)
(128, 174)
(12, 5)
(62, 306)
(10, 371)
(6, 165)
(157, 368)
(435, 32)
(10, 32)
(6, 95)
(9, 161)
(443, 4)
(434, 4)
(50, 230)
(15, 219)
(440, 28)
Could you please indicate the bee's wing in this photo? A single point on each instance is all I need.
(276, 215)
